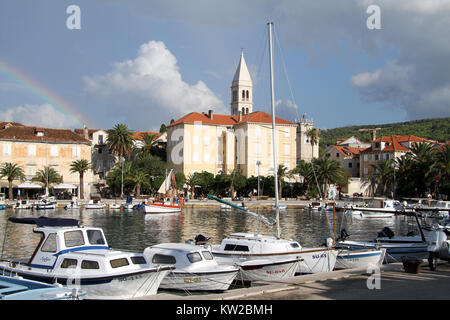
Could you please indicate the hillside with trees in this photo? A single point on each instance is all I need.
(435, 129)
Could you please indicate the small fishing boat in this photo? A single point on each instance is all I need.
(24, 204)
(387, 209)
(74, 204)
(95, 203)
(45, 203)
(195, 267)
(18, 288)
(225, 207)
(397, 247)
(79, 257)
(315, 206)
(114, 206)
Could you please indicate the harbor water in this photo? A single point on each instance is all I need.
(135, 230)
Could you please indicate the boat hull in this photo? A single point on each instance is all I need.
(199, 281)
(394, 251)
(161, 208)
(115, 286)
(266, 270)
(365, 258)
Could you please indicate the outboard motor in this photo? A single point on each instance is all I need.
(386, 232)
(344, 235)
(201, 239)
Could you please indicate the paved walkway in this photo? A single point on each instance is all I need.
(394, 284)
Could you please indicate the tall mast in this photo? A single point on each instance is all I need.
(274, 144)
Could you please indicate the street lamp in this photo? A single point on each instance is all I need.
(258, 163)
(122, 159)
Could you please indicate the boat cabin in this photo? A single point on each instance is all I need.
(183, 255)
(59, 236)
(255, 244)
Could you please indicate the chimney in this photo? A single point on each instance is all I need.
(85, 132)
(373, 134)
(240, 116)
(210, 114)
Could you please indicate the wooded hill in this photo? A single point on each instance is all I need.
(435, 129)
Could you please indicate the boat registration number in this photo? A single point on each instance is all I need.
(130, 278)
(192, 280)
(318, 256)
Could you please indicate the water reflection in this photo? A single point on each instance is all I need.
(136, 230)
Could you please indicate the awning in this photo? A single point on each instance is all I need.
(28, 185)
(64, 186)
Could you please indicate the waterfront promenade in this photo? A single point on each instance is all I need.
(351, 284)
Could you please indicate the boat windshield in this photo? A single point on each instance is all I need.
(95, 237)
(207, 255)
(194, 257)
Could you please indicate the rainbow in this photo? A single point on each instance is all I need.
(43, 93)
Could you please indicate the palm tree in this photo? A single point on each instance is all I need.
(148, 140)
(313, 135)
(120, 140)
(12, 172)
(441, 168)
(305, 170)
(422, 153)
(383, 173)
(80, 167)
(328, 171)
(141, 179)
(191, 181)
(47, 176)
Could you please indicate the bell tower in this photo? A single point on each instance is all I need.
(241, 90)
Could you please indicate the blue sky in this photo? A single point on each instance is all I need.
(143, 63)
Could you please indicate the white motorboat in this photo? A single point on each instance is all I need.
(73, 205)
(195, 267)
(114, 206)
(45, 203)
(387, 209)
(225, 207)
(315, 206)
(359, 258)
(95, 204)
(79, 257)
(397, 247)
(24, 204)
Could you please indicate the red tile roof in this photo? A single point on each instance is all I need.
(348, 151)
(25, 133)
(229, 120)
(140, 134)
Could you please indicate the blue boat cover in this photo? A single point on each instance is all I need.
(47, 222)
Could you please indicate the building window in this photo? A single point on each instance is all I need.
(287, 149)
(32, 150)
(243, 94)
(53, 151)
(246, 94)
(7, 149)
(100, 139)
(76, 150)
(350, 165)
(235, 94)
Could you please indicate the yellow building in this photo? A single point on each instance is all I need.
(34, 148)
(222, 143)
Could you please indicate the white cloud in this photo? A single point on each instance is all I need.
(151, 87)
(44, 115)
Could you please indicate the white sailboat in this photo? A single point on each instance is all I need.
(262, 257)
(164, 206)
